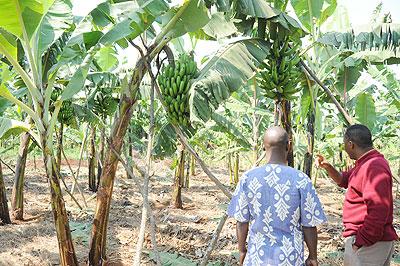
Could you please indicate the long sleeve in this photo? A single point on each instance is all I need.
(345, 180)
(377, 196)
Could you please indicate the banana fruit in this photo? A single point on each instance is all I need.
(174, 83)
(103, 101)
(66, 114)
(279, 76)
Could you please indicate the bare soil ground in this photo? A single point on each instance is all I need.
(185, 232)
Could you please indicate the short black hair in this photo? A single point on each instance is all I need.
(360, 135)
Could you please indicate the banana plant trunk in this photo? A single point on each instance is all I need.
(287, 125)
(101, 150)
(192, 165)
(92, 160)
(130, 149)
(60, 145)
(97, 253)
(230, 168)
(308, 158)
(64, 238)
(187, 175)
(178, 180)
(236, 169)
(4, 214)
(17, 197)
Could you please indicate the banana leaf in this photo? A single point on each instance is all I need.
(226, 72)
(374, 44)
(365, 110)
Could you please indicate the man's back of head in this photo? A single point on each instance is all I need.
(276, 142)
(275, 137)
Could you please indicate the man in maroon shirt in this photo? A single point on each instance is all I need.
(368, 205)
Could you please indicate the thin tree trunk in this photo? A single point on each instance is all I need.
(178, 178)
(236, 169)
(146, 204)
(97, 254)
(4, 214)
(92, 160)
(287, 125)
(17, 198)
(59, 146)
(101, 149)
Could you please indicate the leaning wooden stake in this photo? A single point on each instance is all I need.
(214, 240)
(74, 177)
(349, 120)
(9, 167)
(80, 158)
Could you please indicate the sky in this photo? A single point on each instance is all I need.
(359, 13)
(360, 10)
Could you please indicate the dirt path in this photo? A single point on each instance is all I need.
(184, 232)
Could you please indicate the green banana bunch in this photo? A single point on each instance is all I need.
(66, 114)
(103, 101)
(174, 83)
(279, 76)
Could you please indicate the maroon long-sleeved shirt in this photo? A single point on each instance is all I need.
(368, 205)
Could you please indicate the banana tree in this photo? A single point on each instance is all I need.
(25, 139)
(222, 89)
(17, 197)
(4, 214)
(37, 26)
(176, 22)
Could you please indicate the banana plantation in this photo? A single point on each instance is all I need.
(125, 126)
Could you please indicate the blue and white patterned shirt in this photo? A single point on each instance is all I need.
(277, 200)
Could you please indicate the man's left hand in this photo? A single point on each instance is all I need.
(242, 255)
(311, 262)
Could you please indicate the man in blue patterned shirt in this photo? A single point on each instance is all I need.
(278, 207)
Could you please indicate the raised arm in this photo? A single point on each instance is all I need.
(332, 172)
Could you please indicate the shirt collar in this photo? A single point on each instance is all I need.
(366, 156)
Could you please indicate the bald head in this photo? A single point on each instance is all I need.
(276, 137)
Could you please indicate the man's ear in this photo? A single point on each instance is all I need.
(352, 145)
